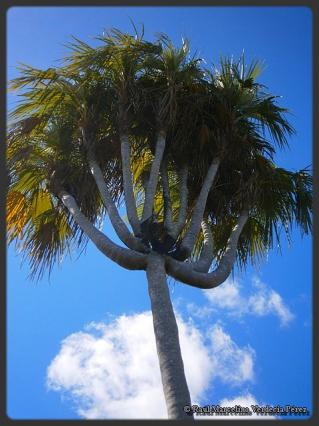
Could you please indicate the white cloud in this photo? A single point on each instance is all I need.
(259, 299)
(232, 364)
(227, 295)
(197, 311)
(111, 370)
(266, 301)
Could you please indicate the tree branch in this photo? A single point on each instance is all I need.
(168, 217)
(118, 224)
(153, 179)
(206, 257)
(197, 216)
(128, 185)
(182, 214)
(185, 273)
(126, 258)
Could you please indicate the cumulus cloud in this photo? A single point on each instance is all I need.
(111, 370)
(227, 295)
(266, 301)
(258, 299)
(231, 363)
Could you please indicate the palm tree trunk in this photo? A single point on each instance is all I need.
(118, 224)
(207, 256)
(128, 185)
(197, 215)
(185, 272)
(167, 342)
(183, 195)
(152, 182)
(168, 214)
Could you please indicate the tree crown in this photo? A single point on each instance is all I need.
(130, 86)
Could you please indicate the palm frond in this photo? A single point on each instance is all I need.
(125, 82)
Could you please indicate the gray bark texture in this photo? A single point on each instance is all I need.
(168, 216)
(118, 224)
(182, 214)
(198, 212)
(128, 185)
(153, 179)
(167, 341)
(186, 273)
(127, 258)
(206, 257)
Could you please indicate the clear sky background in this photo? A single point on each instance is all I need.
(80, 345)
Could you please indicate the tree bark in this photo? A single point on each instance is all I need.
(153, 179)
(168, 215)
(206, 257)
(127, 258)
(118, 224)
(197, 216)
(167, 341)
(185, 272)
(128, 185)
(182, 214)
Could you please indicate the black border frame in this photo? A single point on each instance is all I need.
(313, 5)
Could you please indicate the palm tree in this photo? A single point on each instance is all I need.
(190, 151)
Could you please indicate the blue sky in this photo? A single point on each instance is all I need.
(251, 337)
